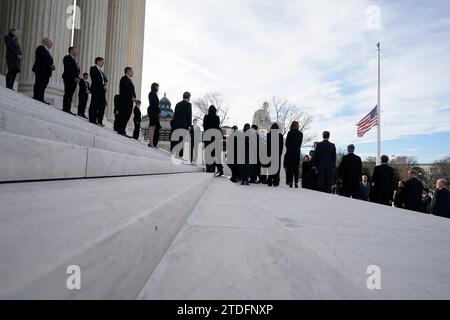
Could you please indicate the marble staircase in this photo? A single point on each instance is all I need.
(53, 145)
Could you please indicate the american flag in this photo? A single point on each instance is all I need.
(368, 122)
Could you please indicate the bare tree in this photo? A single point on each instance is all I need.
(201, 107)
(440, 170)
(402, 164)
(284, 113)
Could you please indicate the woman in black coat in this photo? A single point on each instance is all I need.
(13, 57)
(274, 180)
(154, 114)
(293, 152)
(212, 122)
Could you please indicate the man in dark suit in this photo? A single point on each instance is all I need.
(364, 188)
(441, 201)
(83, 95)
(413, 192)
(127, 98)
(43, 68)
(99, 86)
(383, 183)
(182, 118)
(350, 172)
(325, 162)
(137, 120)
(13, 57)
(71, 77)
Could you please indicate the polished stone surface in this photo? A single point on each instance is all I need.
(261, 243)
(115, 229)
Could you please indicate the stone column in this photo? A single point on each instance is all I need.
(45, 18)
(116, 48)
(12, 17)
(91, 38)
(136, 43)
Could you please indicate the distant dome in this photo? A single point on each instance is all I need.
(165, 106)
(164, 103)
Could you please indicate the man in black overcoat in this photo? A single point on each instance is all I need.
(325, 162)
(350, 172)
(43, 68)
(13, 57)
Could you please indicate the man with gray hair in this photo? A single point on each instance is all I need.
(350, 172)
(43, 68)
(441, 201)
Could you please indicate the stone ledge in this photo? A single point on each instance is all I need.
(115, 240)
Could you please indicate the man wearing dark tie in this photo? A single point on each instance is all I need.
(127, 97)
(13, 57)
(182, 118)
(324, 162)
(83, 95)
(71, 77)
(383, 183)
(98, 92)
(350, 172)
(43, 68)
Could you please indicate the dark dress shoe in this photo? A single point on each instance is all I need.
(101, 125)
(296, 186)
(220, 174)
(291, 185)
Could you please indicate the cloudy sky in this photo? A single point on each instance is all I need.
(318, 54)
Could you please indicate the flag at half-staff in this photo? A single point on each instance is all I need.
(368, 123)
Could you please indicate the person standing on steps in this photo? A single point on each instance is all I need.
(182, 119)
(13, 57)
(137, 120)
(274, 180)
(83, 95)
(212, 122)
(43, 68)
(383, 183)
(71, 78)
(294, 142)
(127, 98)
(154, 114)
(350, 172)
(325, 162)
(413, 192)
(99, 87)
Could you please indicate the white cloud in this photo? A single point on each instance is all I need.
(319, 54)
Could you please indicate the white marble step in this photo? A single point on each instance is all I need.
(256, 243)
(16, 122)
(24, 106)
(116, 230)
(28, 159)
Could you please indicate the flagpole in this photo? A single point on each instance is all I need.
(379, 107)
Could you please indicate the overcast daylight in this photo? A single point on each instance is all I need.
(320, 55)
(224, 159)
